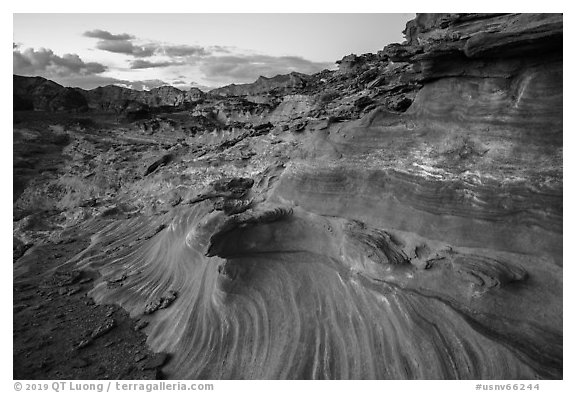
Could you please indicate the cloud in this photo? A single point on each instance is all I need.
(183, 50)
(150, 49)
(247, 68)
(127, 48)
(107, 36)
(120, 43)
(141, 64)
(222, 49)
(71, 70)
(46, 63)
(123, 43)
(184, 85)
(146, 84)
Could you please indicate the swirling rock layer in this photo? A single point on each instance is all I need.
(297, 295)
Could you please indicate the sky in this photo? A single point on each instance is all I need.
(143, 51)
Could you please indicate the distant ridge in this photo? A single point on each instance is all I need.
(292, 80)
(38, 93)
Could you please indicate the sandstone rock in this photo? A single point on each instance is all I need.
(104, 328)
(65, 278)
(19, 248)
(161, 303)
(232, 206)
(141, 324)
(235, 187)
(164, 160)
(140, 357)
(157, 361)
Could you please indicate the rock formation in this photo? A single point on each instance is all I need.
(400, 218)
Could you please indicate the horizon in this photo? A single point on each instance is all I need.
(206, 51)
(157, 87)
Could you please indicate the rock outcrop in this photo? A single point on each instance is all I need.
(400, 218)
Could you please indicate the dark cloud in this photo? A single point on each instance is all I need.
(183, 50)
(247, 68)
(123, 43)
(147, 50)
(120, 43)
(107, 36)
(46, 63)
(127, 48)
(141, 64)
